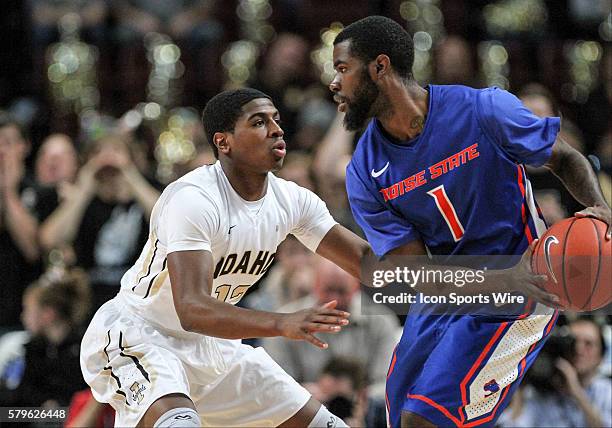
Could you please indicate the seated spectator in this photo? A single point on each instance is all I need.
(104, 216)
(579, 397)
(54, 308)
(369, 339)
(22, 206)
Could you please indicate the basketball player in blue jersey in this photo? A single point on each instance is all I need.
(439, 170)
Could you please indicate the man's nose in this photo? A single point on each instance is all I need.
(276, 130)
(334, 86)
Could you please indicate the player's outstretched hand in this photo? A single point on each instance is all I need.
(303, 324)
(600, 212)
(522, 279)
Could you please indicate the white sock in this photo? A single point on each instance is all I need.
(180, 417)
(325, 419)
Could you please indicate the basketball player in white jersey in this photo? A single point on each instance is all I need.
(166, 351)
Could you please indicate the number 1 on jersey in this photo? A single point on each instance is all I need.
(448, 211)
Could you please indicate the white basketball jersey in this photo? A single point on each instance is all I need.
(201, 211)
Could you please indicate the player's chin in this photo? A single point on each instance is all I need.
(277, 163)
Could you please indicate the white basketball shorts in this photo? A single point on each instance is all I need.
(130, 363)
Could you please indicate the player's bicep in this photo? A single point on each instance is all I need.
(191, 277)
(560, 151)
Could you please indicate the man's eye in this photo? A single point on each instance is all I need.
(258, 123)
(278, 121)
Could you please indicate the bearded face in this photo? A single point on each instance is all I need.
(359, 108)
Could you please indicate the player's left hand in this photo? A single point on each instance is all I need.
(601, 212)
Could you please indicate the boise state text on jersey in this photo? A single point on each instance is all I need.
(460, 185)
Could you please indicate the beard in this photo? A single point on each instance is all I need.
(360, 109)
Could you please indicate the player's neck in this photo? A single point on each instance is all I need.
(250, 186)
(409, 104)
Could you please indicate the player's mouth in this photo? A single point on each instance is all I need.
(279, 149)
(342, 104)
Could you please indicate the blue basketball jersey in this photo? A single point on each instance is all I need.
(459, 186)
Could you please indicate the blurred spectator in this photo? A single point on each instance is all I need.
(580, 396)
(46, 14)
(454, 63)
(329, 168)
(282, 75)
(369, 339)
(22, 206)
(85, 411)
(284, 282)
(603, 151)
(297, 168)
(594, 115)
(54, 308)
(550, 204)
(189, 20)
(541, 102)
(104, 216)
(314, 119)
(341, 386)
(57, 161)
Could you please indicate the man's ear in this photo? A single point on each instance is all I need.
(220, 140)
(379, 67)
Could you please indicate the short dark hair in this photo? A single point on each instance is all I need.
(223, 110)
(346, 367)
(377, 35)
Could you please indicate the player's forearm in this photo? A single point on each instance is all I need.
(211, 317)
(577, 175)
(345, 249)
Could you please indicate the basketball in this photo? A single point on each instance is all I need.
(577, 258)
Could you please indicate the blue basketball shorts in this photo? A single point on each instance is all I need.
(461, 371)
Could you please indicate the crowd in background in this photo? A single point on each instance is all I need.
(76, 190)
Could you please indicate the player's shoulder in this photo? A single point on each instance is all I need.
(201, 183)
(455, 95)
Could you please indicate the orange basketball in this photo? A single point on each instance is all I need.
(577, 258)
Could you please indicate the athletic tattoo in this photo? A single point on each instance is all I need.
(418, 123)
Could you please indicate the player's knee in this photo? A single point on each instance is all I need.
(326, 419)
(412, 420)
(183, 417)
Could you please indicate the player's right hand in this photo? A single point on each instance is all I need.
(521, 278)
(303, 324)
